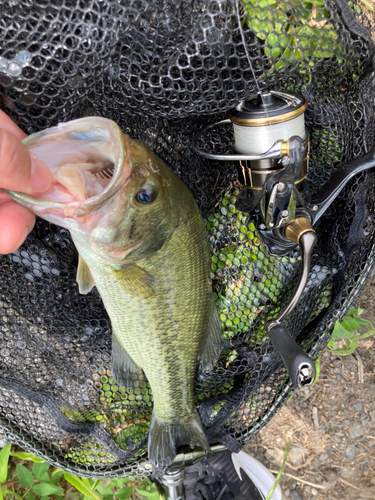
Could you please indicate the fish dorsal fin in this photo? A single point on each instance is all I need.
(135, 281)
(211, 348)
(84, 278)
(124, 371)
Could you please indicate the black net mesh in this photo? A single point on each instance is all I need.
(162, 70)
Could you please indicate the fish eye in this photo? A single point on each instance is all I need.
(145, 196)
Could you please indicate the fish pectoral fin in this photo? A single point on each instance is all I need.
(84, 278)
(211, 348)
(123, 369)
(135, 281)
(164, 439)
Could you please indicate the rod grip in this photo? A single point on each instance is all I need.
(300, 366)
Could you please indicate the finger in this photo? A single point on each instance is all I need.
(20, 170)
(16, 222)
(8, 123)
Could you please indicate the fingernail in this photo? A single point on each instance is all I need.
(26, 233)
(40, 175)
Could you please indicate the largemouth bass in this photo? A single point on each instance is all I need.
(142, 243)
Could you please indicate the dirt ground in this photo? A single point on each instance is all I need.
(331, 427)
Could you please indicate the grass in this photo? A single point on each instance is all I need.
(346, 334)
(23, 476)
(280, 473)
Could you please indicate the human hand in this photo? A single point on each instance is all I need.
(21, 171)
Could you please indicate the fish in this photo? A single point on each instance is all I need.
(142, 243)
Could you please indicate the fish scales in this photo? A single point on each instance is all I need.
(171, 323)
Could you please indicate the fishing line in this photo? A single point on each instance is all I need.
(248, 55)
(263, 137)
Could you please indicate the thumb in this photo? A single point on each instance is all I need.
(21, 170)
(40, 176)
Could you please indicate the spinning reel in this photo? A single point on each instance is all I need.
(271, 151)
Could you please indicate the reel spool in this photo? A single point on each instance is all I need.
(261, 122)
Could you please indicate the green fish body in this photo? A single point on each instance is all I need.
(143, 244)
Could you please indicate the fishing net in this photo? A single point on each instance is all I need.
(163, 70)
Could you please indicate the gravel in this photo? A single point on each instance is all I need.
(295, 496)
(350, 452)
(356, 431)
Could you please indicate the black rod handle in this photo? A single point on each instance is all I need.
(300, 366)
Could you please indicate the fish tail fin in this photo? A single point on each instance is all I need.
(164, 438)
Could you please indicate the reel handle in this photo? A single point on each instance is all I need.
(300, 366)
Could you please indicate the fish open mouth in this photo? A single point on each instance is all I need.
(88, 163)
(83, 181)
